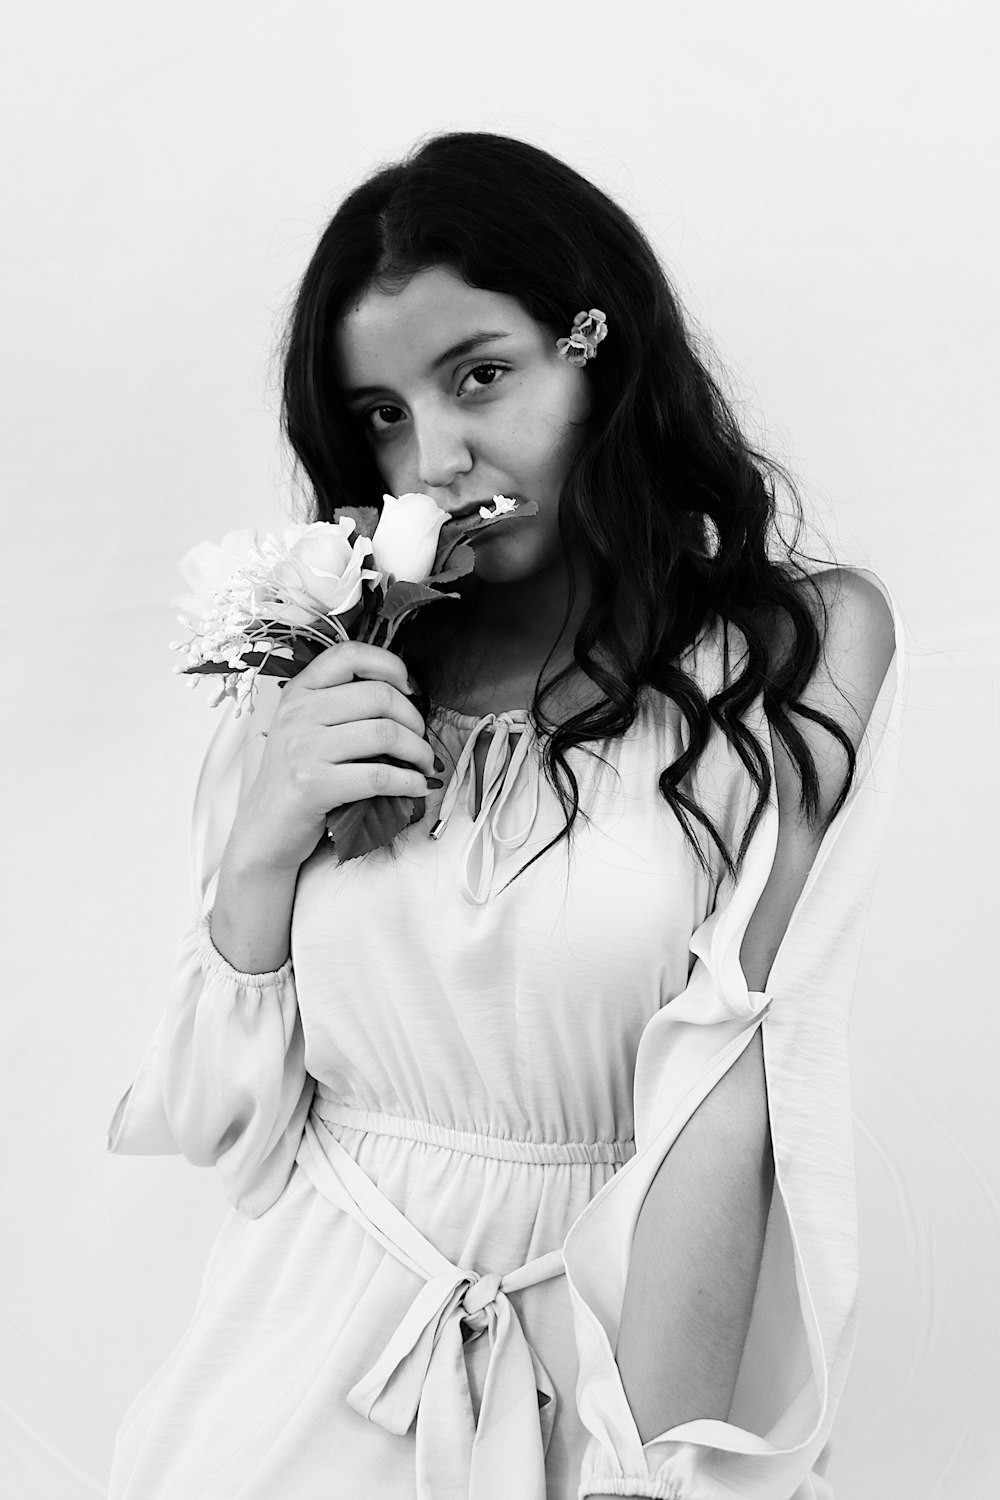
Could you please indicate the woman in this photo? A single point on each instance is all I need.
(536, 1128)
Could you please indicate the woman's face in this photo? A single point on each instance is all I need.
(463, 396)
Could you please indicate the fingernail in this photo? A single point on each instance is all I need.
(438, 763)
(411, 687)
(434, 783)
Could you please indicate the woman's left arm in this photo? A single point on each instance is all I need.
(689, 1295)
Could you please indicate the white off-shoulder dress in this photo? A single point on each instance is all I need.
(437, 1121)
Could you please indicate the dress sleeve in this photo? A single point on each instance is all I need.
(223, 1081)
(803, 1323)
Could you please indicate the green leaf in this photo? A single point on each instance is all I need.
(274, 666)
(358, 827)
(268, 666)
(462, 562)
(304, 651)
(402, 597)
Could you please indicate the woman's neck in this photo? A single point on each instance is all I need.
(492, 663)
(517, 624)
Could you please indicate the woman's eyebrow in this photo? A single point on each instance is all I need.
(455, 351)
(466, 346)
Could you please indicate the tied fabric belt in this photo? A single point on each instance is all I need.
(421, 1374)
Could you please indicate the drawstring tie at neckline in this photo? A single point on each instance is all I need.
(499, 781)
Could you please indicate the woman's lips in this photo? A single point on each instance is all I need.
(473, 509)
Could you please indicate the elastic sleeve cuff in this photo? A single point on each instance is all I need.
(658, 1489)
(214, 962)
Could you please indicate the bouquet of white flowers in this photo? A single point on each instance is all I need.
(260, 605)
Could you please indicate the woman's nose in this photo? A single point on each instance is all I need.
(443, 451)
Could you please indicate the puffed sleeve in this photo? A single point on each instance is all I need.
(223, 1081)
(803, 1323)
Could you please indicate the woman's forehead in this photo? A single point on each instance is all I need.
(418, 327)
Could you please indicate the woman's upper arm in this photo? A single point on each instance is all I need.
(858, 649)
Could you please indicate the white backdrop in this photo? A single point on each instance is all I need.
(818, 178)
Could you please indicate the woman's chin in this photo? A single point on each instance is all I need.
(507, 560)
(497, 564)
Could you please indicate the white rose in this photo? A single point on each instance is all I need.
(207, 567)
(322, 572)
(406, 537)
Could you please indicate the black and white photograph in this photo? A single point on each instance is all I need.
(500, 752)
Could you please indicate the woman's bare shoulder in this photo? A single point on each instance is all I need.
(857, 639)
(855, 627)
(858, 635)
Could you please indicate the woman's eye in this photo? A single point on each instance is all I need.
(381, 417)
(484, 375)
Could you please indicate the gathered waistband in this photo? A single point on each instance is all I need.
(471, 1143)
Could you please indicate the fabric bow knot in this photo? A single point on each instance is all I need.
(481, 1293)
(421, 1377)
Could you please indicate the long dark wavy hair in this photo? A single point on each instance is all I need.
(674, 514)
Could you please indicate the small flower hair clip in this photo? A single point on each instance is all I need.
(589, 329)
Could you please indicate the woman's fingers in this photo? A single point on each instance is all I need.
(363, 700)
(351, 659)
(357, 781)
(344, 731)
(350, 704)
(356, 681)
(356, 739)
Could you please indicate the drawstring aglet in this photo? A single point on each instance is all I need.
(437, 830)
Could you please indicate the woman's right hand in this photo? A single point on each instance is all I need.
(345, 709)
